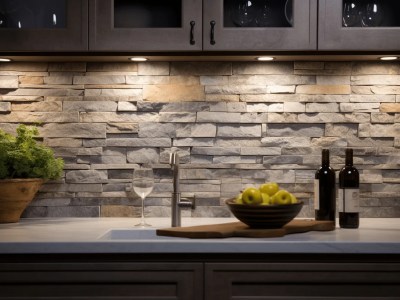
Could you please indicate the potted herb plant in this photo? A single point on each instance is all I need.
(25, 165)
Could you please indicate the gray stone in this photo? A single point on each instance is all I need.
(218, 117)
(86, 176)
(5, 106)
(141, 80)
(149, 130)
(193, 142)
(99, 79)
(126, 106)
(359, 107)
(286, 141)
(177, 117)
(39, 117)
(153, 68)
(305, 130)
(139, 142)
(260, 151)
(239, 131)
(73, 212)
(322, 107)
(143, 155)
(89, 106)
(77, 130)
(122, 127)
(341, 130)
(45, 106)
(197, 130)
(201, 68)
(215, 151)
(113, 117)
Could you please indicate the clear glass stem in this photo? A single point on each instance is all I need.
(142, 220)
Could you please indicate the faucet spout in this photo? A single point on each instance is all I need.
(176, 202)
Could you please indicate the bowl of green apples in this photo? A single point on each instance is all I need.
(267, 206)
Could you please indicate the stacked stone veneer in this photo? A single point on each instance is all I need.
(235, 124)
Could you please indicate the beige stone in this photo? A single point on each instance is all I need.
(88, 106)
(75, 130)
(171, 93)
(67, 67)
(112, 67)
(372, 98)
(153, 68)
(40, 117)
(281, 89)
(323, 89)
(60, 79)
(225, 98)
(119, 211)
(100, 79)
(359, 107)
(269, 98)
(201, 68)
(63, 142)
(38, 106)
(375, 68)
(294, 107)
(22, 98)
(270, 79)
(390, 107)
(382, 118)
(24, 66)
(114, 117)
(309, 65)
(8, 82)
(122, 127)
(262, 68)
(236, 89)
(31, 80)
(333, 80)
(322, 107)
(375, 80)
(141, 80)
(5, 106)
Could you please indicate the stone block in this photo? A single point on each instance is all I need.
(112, 117)
(308, 65)
(329, 142)
(286, 141)
(341, 130)
(390, 107)
(359, 107)
(139, 142)
(193, 142)
(99, 79)
(170, 93)
(282, 159)
(323, 98)
(38, 80)
(261, 68)
(375, 80)
(39, 117)
(86, 176)
(112, 67)
(219, 98)
(305, 130)
(253, 118)
(152, 130)
(375, 68)
(324, 89)
(215, 151)
(218, 117)
(236, 89)
(201, 68)
(239, 131)
(291, 107)
(372, 98)
(73, 212)
(24, 66)
(119, 211)
(283, 118)
(9, 82)
(59, 79)
(45, 92)
(126, 106)
(257, 151)
(379, 130)
(177, 117)
(382, 118)
(143, 156)
(141, 80)
(153, 68)
(333, 80)
(322, 107)
(67, 67)
(5, 106)
(269, 98)
(44, 106)
(281, 89)
(197, 130)
(74, 130)
(334, 118)
(270, 80)
(214, 80)
(63, 142)
(122, 127)
(131, 94)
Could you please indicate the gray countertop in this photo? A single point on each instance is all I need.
(118, 235)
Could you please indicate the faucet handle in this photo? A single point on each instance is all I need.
(187, 202)
(174, 158)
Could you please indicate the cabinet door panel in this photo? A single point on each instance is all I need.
(334, 35)
(299, 35)
(301, 281)
(31, 27)
(102, 281)
(152, 25)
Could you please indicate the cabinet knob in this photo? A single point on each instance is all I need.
(192, 41)
(212, 35)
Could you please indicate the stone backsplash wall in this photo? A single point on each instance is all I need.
(235, 124)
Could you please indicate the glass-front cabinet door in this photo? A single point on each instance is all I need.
(145, 25)
(359, 25)
(256, 25)
(43, 25)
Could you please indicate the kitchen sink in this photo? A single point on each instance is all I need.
(133, 234)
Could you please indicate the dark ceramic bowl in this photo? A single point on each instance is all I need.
(264, 216)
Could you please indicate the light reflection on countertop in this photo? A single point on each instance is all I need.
(90, 235)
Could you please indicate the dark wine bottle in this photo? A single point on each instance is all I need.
(324, 190)
(349, 191)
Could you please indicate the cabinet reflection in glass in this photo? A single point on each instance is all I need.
(362, 13)
(33, 14)
(258, 13)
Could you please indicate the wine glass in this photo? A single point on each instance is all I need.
(243, 13)
(143, 181)
(373, 15)
(351, 14)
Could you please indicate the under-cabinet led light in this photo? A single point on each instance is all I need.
(265, 58)
(388, 58)
(138, 59)
(5, 59)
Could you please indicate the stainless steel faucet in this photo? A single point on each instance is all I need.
(176, 201)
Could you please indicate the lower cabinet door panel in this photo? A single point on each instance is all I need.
(102, 281)
(322, 281)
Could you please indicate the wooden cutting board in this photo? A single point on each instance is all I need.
(239, 229)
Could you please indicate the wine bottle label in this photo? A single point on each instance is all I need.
(316, 194)
(349, 200)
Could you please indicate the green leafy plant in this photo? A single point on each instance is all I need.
(23, 157)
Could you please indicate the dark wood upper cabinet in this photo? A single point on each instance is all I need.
(359, 25)
(145, 25)
(257, 25)
(43, 25)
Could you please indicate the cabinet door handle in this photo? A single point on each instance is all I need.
(212, 35)
(192, 41)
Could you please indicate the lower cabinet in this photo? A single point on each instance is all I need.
(61, 281)
(199, 278)
(302, 281)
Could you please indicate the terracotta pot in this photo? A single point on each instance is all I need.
(15, 195)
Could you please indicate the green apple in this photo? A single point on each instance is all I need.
(283, 197)
(269, 188)
(252, 196)
(266, 199)
(293, 198)
(238, 199)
